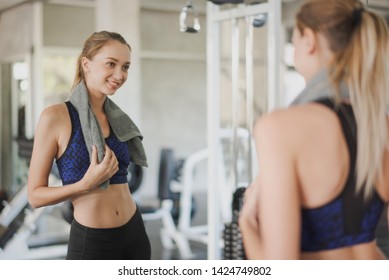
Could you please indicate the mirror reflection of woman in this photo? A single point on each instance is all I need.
(107, 223)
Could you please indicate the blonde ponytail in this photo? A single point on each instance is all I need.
(368, 79)
(359, 40)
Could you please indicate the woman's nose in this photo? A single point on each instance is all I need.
(119, 74)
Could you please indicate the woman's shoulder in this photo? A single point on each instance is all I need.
(53, 123)
(293, 116)
(297, 123)
(298, 117)
(54, 114)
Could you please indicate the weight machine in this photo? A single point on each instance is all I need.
(250, 15)
(185, 186)
(19, 236)
(230, 170)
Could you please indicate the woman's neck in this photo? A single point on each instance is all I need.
(97, 103)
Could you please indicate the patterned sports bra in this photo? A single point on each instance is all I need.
(74, 162)
(348, 219)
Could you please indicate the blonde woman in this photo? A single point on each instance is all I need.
(85, 136)
(324, 161)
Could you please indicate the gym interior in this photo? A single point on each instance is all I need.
(201, 73)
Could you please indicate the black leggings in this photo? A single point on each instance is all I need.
(127, 242)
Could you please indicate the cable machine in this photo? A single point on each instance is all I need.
(242, 19)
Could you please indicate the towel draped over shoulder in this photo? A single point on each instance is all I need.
(121, 124)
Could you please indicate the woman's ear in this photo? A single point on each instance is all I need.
(85, 64)
(310, 40)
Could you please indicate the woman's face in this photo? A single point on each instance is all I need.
(107, 71)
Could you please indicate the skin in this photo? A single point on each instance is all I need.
(94, 207)
(287, 144)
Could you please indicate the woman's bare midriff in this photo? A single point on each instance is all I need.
(105, 208)
(365, 251)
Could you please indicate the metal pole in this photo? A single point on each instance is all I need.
(235, 57)
(273, 47)
(213, 127)
(249, 91)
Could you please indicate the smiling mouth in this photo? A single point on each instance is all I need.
(113, 85)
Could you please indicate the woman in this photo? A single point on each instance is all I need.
(82, 135)
(318, 194)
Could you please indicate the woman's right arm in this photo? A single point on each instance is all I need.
(45, 148)
(46, 143)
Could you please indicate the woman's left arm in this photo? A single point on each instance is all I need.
(276, 194)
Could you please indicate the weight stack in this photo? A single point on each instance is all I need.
(233, 243)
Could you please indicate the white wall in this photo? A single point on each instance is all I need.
(66, 26)
(173, 90)
(16, 32)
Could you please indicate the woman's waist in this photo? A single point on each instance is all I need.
(363, 251)
(108, 208)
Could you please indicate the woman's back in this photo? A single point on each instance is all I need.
(323, 170)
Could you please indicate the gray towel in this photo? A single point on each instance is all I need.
(121, 124)
(320, 87)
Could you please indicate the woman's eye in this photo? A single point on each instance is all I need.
(110, 64)
(126, 67)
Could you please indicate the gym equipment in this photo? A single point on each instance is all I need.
(221, 2)
(67, 211)
(167, 173)
(3, 200)
(170, 172)
(10, 217)
(21, 233)
(184, 185)
(170, 236)
(186, 188)
(233, 244)
(260, 20)
(217, 17)
(189, 12)
(25, 148)
(135, 177)
(19, 230)
(176, 198)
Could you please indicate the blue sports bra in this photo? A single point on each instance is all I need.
(348, 219)
(74, 162)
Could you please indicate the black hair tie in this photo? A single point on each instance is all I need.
(357, 16)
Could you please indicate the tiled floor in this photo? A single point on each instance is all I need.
(199, 250)
(159, 253)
